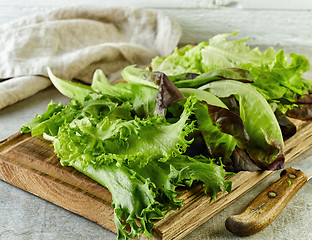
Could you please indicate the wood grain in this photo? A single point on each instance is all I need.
(30, 164)
(268, 204)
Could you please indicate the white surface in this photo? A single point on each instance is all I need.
(265, 22)
(285, 24)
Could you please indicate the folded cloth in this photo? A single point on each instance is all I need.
(75, 41)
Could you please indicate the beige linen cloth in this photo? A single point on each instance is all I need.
(75, 41)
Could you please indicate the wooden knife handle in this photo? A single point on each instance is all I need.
(267, 205)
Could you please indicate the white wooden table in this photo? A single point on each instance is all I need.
(282, 24)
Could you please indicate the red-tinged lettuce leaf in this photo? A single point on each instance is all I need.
(168, 93)
(218, 144)
(301, 111)
(231, 103)
(266, 145)
(241, 161)
(215, 75)
(287, 127)
(221, 130)
(230, 123)
(304, 99)
(183, 76)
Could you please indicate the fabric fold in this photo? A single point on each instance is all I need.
(75, 41)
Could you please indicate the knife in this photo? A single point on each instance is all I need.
(270, 202)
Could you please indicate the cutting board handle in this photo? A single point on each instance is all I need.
(267, 205)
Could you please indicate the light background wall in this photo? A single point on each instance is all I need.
(283, 24)
(266, 22)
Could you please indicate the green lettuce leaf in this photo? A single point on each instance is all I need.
(276, 76)
(70, 89)
(224, 53)
(109, 133)
(215, 75)
(219, 144)
(167, 92)
(40, 120)
(202, 96)
(100, 83)
(266, 144)
(125, 141)
(281, 81)
(186, 60)
(148, 193)
(102, 138)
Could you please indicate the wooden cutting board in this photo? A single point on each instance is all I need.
(30, 164)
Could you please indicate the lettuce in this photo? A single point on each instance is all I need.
(201, 110)
(214, 75)
(219, 52)
(276, 76)
(266, 145)
(222, 130)
(187, 60)
(114, 135)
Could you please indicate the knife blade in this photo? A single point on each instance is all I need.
(271, 201)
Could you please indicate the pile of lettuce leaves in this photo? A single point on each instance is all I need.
(194, 117)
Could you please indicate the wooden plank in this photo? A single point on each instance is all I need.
(30, 164)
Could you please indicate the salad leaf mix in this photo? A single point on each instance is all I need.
(196, 116)
(276, 76)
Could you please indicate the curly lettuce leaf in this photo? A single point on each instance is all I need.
(107, 139)
(40, 120)
(224, 53)
(277, 77)
(281, 79)
(148, 193)
(141, 193)
(109, 133)
(186, 60)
